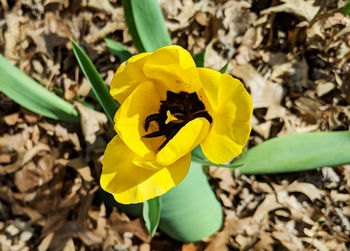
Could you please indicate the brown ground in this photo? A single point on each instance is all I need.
(294, 58)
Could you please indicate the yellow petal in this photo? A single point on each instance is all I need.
(233, 108)
(188, 137)
(172, 68)
(132, 184)
(128, 76)
(130, 121)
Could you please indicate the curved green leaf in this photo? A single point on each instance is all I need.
(190, 211)
(199, 59)
(151, 214)
(99, 88)
(346, 9)
(298, 152)
(146, 24)
(118, 49)
(31, 95)
(224, 68)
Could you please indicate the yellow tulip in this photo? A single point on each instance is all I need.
(168, 107)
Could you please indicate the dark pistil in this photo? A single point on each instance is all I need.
(184, 106)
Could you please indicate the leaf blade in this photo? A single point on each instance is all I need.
(99, 88)
(224, 68)
(151, 214)
(146, 24)
(298, 152)
(190, 211)
(199, 59)
(31, 95)
(117, 49)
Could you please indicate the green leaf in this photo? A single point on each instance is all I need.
(223, 69)
(322, 220)
(209, 163)
(146, 24)
(31, 95)
(199, 59)
(118, 49)
(151, 214)
(199, 157)
(83, 102)
(298, 152)
(346, 10)
(98, 86)
(190, 211)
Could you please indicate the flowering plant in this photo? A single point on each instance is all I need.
(168, 107)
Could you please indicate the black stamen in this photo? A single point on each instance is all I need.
(183, 106)
(204, 115)
(154, 134)
(150, 118)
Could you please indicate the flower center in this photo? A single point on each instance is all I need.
(174, 113)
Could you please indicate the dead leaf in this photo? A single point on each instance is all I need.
(300, 8)
(69, 245)
(24, 157)
(12, 119)
(264, 93)
(323, 87)
(91, 122)
(45, 243)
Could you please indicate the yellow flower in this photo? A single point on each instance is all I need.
(168, 107)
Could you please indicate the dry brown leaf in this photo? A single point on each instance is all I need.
(316, 243)
(286, 234)
(30, 176)
(323, 87)
(301, 8)
(12, 119)
(189, 247)
(262, 128)
(5, 158)
(45, 243)
(307, 189)
(101, 5)
(105, 31)
(13, 142)
(336, 197)
(225, 175)
(24, 157)
(69, 245)
(12, 36)
(263, 92)
(91, 122)
(265, 243)
(122, 224)
(81, 167)
(265, 207)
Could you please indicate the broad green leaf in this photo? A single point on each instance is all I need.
(146, 24)
(99, 88)
(199, 157)
(209, 163)
(199, 59)
(60, 91)
(134, 210)
(31, 95)
(118, 49)
(151, 214)
(190, 211)
(298, 152)
(346, 10)
(223, 69)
